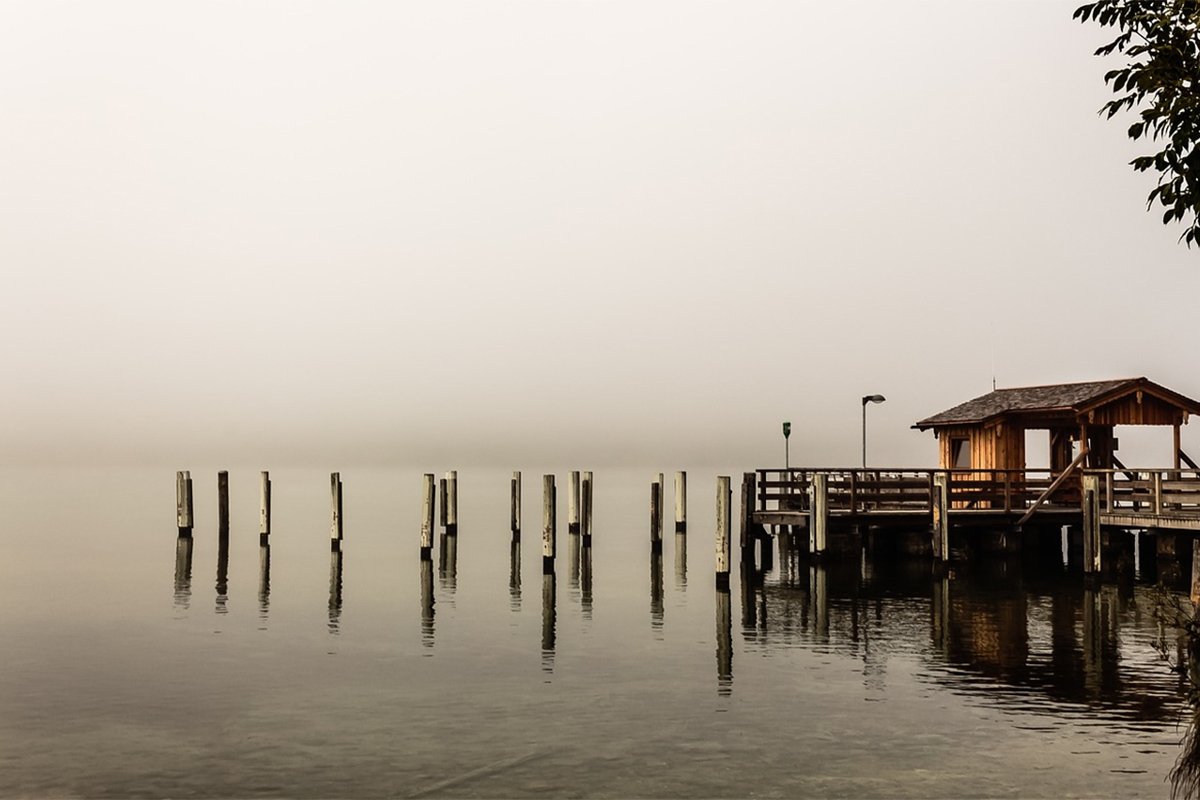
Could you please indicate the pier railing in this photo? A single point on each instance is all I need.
(856, 491)
(1153, 492)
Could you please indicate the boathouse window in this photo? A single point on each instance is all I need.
(960, 453)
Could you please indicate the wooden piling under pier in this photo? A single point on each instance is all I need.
(335, 512)
(443, 502)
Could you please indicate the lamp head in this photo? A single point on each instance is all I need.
(873, 398)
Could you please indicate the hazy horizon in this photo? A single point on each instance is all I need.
(562, 232)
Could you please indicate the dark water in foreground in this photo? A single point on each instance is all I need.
(623, 676)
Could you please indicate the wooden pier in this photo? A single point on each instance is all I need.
(826, 503)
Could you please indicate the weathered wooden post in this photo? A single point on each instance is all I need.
(818, 525)
(549, 524)
(1091, 525)
(723, 543)
(681, 502)
(452, 503)
(746, 536)
(1195, 573)
(515, 506)
(940, 501)
(264, 507)
(585, 519)
(655, 517)
(573, 504)
(427, 490)
(223, 503)
(661, 483)
(335, 512)
(183, 503)
(443, 503)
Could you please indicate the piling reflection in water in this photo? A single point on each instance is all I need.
(681, 561)
(656, 591)
(514, 575)
(222, 586)
(751, 587)
(573, 562)
(264, 581)
(549, 620)
(585, 582)
(724, 644)
(335, 591)
(183, 572)
(427, 602)
(448, 563)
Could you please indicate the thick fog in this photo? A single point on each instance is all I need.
(589, 232)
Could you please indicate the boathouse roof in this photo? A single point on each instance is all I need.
(1060, 399)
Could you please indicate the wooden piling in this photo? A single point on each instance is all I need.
(941, 517)
(747, 536)
(223, 503)
(549, 523)
(585, 519)
(452, 503)
(681, 502)
(443, 503)
(656, 517)
(573, 504)
(1091, 525)
(515, 506)
(427, 489)
(662, 502)
(818, 526)
(264, 507)
(723, 543)
(335, 511)
(1195, 574)
(183, 503)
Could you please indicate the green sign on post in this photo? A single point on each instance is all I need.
(787, 429)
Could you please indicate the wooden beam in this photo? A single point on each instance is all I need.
(1052, 488)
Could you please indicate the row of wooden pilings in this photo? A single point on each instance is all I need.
(443, 493)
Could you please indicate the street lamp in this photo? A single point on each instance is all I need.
(868, 398)
(787, 431)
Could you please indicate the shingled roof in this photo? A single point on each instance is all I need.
(1041, 399)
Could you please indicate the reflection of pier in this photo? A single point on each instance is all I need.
(1004, 634)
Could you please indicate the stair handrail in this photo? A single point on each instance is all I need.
(1054, 486)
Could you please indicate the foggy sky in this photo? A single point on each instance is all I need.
(579, 230)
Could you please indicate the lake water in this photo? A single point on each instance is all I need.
(126, 673)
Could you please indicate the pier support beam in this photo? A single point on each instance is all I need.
(1091, 525)
(818, 521)
(941, 517)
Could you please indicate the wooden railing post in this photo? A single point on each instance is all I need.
(1158, 493)
(1007, 491)
(1108, 490)
(853, 491)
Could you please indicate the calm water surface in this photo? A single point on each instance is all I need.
(135, 668)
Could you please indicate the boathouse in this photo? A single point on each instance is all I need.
(988, 433)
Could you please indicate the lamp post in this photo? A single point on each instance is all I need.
(868, 398)
(787, 431)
